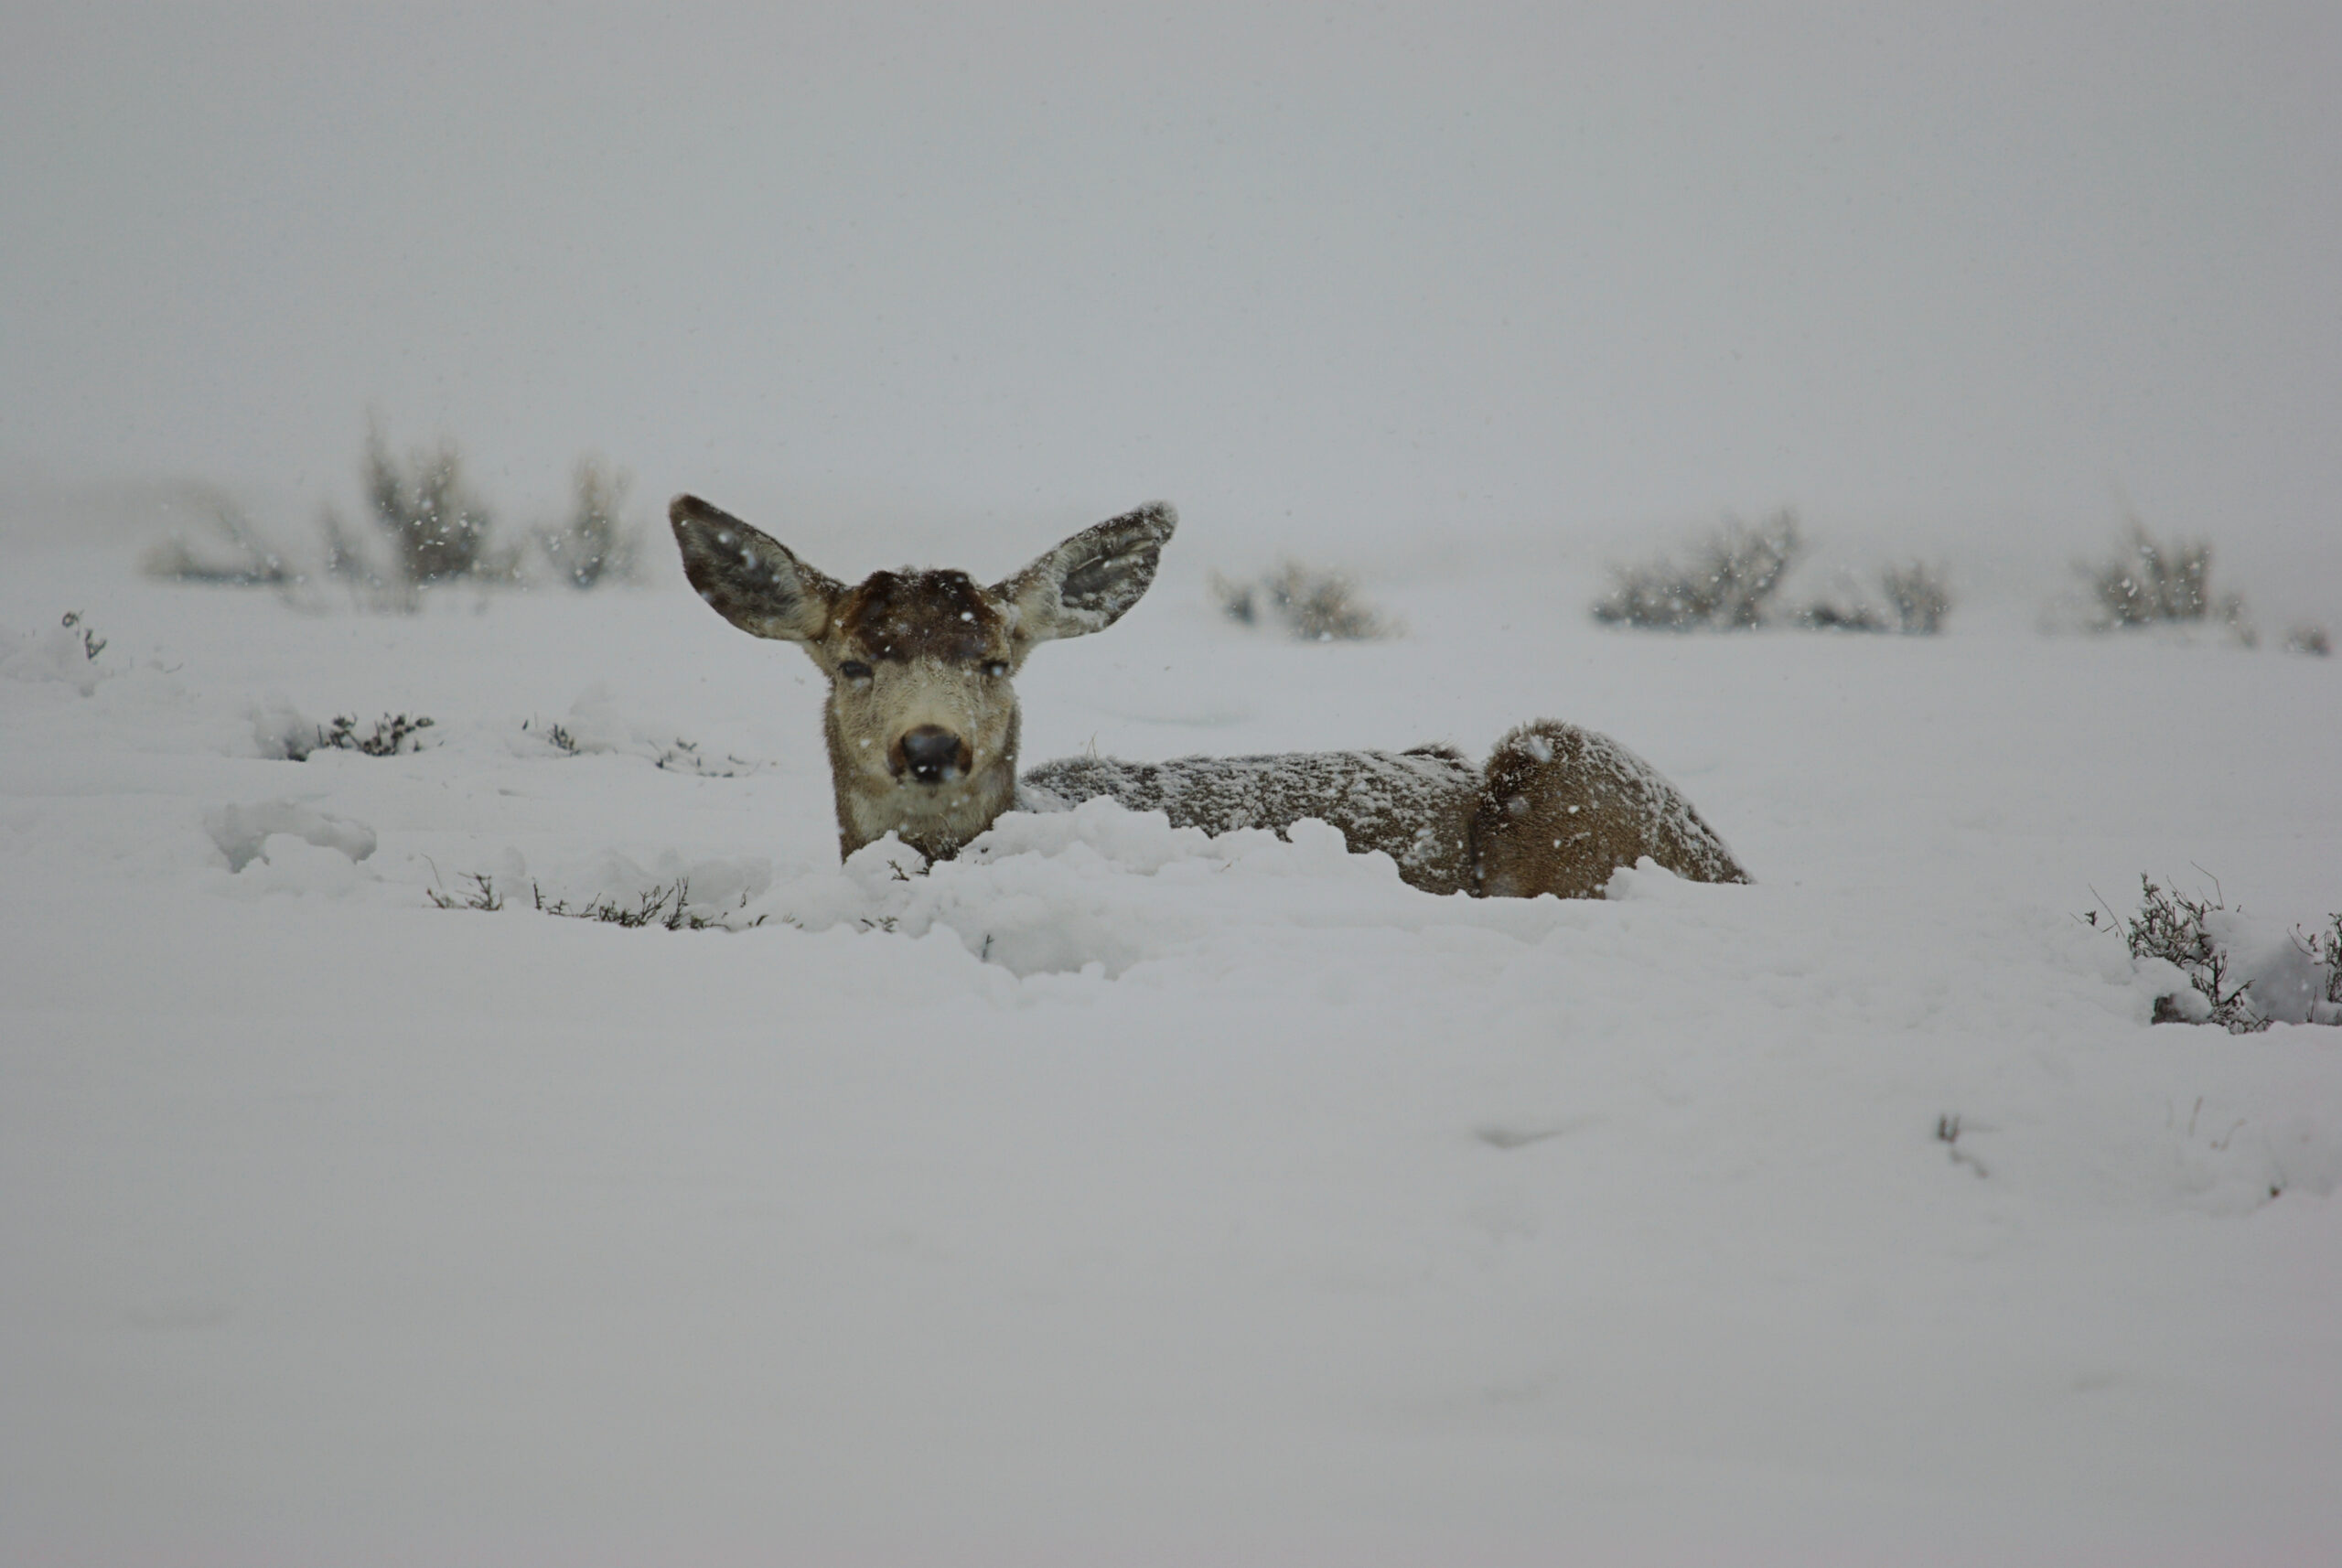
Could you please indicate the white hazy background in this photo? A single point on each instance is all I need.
(1380, 277)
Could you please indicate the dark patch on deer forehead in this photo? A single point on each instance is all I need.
(921, 615)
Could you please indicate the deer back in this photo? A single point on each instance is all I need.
(1415, 806)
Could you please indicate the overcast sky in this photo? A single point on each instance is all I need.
(1377, 270)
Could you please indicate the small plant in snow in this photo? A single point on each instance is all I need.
(666, 906)
(595, 544)
(1947, 1130)
(391, 733)
(2147, 582)
(684, 758)
(2175, 927)
(1725, 583)
(2309, 639)
(1315, 606)
(557, 736)
(482, 896)
(91, 643)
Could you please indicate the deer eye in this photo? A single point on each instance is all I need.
(996, 668)
(854, 669)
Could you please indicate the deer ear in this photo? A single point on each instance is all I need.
(1085, 585)
(750, 579)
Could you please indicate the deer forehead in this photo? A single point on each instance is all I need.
(926, 616)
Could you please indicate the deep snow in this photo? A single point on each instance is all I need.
(1118, 1195)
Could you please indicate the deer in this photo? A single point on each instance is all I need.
(922, 723)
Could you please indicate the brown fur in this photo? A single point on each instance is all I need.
(922, 726)
(921, 615)
(1560, 808)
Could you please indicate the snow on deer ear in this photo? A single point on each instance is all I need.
(1086, 584)
(747, 578)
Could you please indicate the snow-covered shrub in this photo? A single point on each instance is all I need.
(2147, 582)
(1725, 582)
(2177, 929)
(2237, 975)
(1315, 606)
(2309, 639)
(595, 544)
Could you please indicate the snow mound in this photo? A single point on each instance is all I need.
(245, 833)
(59, 654)
(1065, 891)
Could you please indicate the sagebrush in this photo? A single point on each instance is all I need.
(1913, 600)
(1314, 605)
(1725, 582)
(2151, 582)
(596, 544)
(436, 529)
(1920, 596)
(436, 526)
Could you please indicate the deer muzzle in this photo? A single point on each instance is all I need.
(930, 755)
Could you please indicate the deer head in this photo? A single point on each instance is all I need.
(921, 717)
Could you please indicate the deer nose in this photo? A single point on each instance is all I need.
(930, 752)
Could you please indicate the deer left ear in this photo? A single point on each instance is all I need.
(1086, 584)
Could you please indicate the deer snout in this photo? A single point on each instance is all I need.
(932, 755)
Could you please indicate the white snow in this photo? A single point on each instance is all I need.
(1117, 1194)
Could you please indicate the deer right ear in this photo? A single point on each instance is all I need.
(747, 578)
(1085, 585)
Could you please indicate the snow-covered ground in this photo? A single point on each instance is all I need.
(1118, 1196)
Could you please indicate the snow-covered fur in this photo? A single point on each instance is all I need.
(1415, 806)
(1556, 810)
(922, 726)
